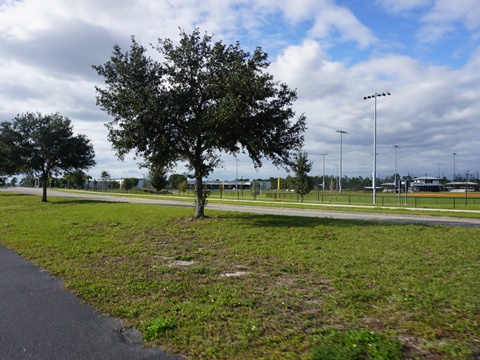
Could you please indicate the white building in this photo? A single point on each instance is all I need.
(426, 184)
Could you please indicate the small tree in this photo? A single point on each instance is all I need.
(175, 180)
(157, 178)
(129, 183)
(87, 180)
(76, 178)
(302, 183)
(105, 178)
(202, 100)
(182, 187)
(44, 145)
(28, 180)
(114, 185)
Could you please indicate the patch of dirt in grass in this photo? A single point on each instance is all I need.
(373, 324)
(302, 283)
(180, 263)
(235, 274)
(415, 350)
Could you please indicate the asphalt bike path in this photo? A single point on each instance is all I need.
(40, 320)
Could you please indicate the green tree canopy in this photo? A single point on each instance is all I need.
(203, 99)
(174, 180)
(105, 178)
(45, 146)
(301, 166)
(157, 178)
(77, 178)
(129, 183)
(9, 160)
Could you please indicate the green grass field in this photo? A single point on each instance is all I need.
(243, 286)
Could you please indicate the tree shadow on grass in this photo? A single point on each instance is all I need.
(83, 202)
(5, 193)
(288, 221)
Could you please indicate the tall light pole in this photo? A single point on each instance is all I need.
(454, 154)
(341, 132)
(397, 188)
(438, 164)
(374, 185)
(466, 187)
(323, 180)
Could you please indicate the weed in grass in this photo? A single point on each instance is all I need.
(153, 328)
(356, 345)
(89, 291)
(125, 312)
(161, 269)
(233, 299)
(184, 257)
(200, 269)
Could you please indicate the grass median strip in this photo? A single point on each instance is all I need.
(246, 286)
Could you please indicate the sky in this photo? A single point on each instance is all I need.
(425, 53)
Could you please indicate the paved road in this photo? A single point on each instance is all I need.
(416, 216)
(39, 320)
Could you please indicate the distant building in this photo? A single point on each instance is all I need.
(459, 186)
(426, 184)
(390, 187)
(108, 184)
(230, 184)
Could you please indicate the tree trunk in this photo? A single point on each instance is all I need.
(200, 200)
(44, 186)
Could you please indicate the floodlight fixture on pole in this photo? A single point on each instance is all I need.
(341, 132)
(323, 180)
(374, 175)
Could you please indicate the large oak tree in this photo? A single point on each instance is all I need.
(44, 145)
(202, 99)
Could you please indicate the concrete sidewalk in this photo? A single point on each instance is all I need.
(40, 320)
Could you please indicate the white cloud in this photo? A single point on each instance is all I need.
(445, 16)
(402, 6)
(465, 11)
(339, 19)
(328, 19)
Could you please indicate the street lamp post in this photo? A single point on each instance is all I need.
(397, 188)
(454, 154)
(374, 185)
(341, 132)
(323, 179)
